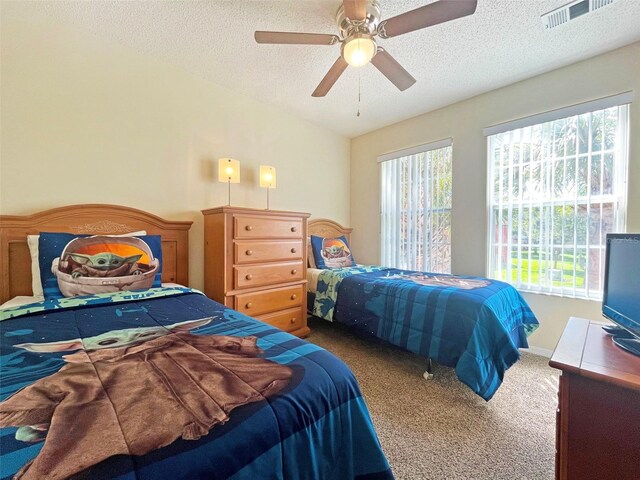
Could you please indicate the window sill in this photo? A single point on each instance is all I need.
(552, 293)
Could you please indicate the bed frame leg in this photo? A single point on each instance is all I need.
(428, 375)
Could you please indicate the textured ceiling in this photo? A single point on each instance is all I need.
(503, 42)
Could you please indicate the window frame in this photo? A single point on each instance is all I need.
(396, 155)
(618, 199)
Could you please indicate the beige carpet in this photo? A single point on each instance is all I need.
(439, 429)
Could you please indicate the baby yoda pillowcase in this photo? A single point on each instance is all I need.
(96, 263)
(33, 242)
(332, 252)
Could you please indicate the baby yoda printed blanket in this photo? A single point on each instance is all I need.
(170, 384)
(475, 325)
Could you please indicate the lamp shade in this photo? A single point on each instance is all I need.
(359, 50)
(229, 170)
(267, 176)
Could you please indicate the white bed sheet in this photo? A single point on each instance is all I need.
(312, 279)
(18, 301)
(24, 300)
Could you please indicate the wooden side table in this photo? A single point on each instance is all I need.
(598, 415)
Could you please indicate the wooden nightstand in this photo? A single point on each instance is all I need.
(256, 263)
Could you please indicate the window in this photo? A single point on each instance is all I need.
(416, 208)
(555, 190)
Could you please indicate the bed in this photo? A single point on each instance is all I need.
(475, 325)
(164, 382)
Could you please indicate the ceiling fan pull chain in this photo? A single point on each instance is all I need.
(358, 114)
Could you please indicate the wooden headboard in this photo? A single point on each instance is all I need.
(93, 219)
(322, 227)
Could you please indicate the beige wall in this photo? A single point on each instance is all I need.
(85, 121)
(607, 74)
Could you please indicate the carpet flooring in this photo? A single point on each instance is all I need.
(440, 429)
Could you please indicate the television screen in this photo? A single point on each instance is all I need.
(621, 300)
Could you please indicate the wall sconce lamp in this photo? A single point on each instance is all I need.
(229, 171)
(267, 179)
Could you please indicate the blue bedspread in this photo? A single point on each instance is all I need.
(316, 427)
(473, 324)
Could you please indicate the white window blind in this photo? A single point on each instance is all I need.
(555, 190)
(416, 208)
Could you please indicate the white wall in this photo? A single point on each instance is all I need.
(87, 121)
(615, 72)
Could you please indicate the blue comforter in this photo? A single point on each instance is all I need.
(316, 425)
(475, 325)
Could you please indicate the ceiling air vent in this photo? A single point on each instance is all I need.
(571, 11)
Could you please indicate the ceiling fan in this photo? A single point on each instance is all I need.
(359, 23)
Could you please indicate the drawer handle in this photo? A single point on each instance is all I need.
(248, 228)
(248, 305)
(293, 250)
(294, 229)
(293, 320)
(249, 252)
(248, 276)
(294, 271)
(294, 296)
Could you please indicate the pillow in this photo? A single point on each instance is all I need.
(36, 282)
(52, 245)
(331, 252)
(311, 262)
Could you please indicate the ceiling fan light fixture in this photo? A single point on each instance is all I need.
(358, 50)
(359, 22)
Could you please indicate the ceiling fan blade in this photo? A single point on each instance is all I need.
(355, 9)
(432, 14)
(391, 69)
(294, 38)
(330, 78)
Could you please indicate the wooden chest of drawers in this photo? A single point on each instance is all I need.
(255, 262)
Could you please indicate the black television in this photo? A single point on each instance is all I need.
(621, 296)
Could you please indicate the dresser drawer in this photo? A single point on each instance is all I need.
(257, 275)
(287, 320)
(252, 251)
(248, 226)
(269, 301)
